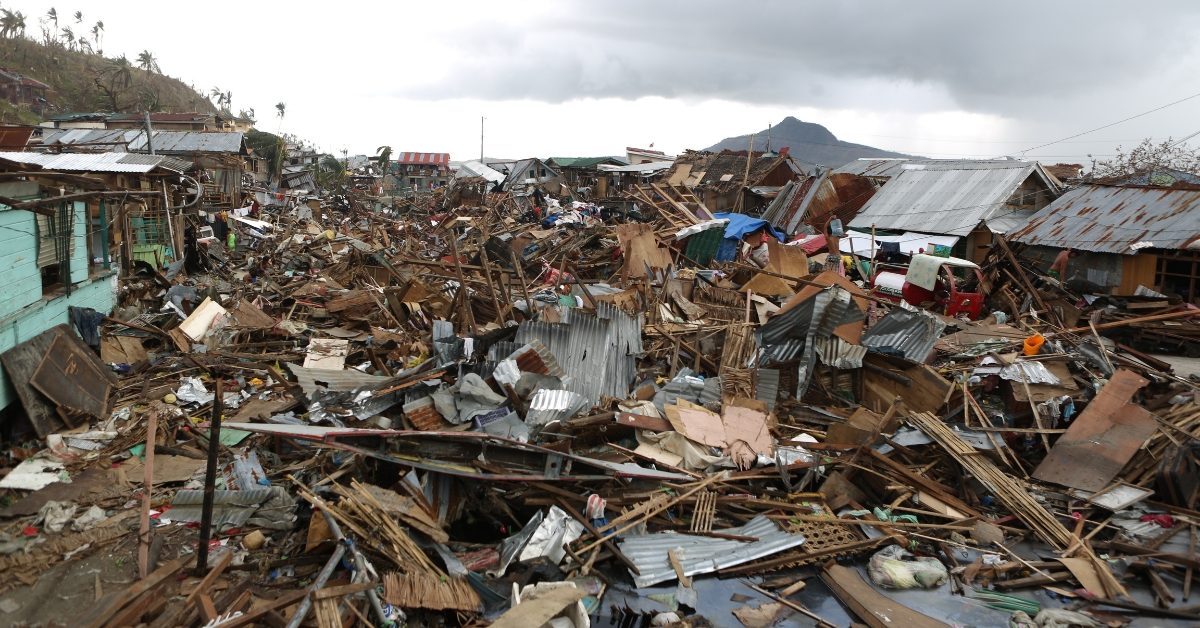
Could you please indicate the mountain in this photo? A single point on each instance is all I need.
(807, 141)
(82, 81)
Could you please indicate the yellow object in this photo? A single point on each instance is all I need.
(170, 398)
(254, 540)
(330, 234)
(256, 382)
(1034, 343)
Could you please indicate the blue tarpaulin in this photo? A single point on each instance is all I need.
(738, 227)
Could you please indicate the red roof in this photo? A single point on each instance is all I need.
(436, 159)
(28, 82)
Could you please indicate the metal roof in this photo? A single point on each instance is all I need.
(947, 198)
(479, 169)
(583, 162)
(191, 142)
(1113, 219)
(97, 162)
(869, 167)
(435, 159)
(703, 554)
(648, 167)
(134, 140)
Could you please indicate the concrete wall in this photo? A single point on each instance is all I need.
(24, 311)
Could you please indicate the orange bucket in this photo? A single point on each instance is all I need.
(1034, 343)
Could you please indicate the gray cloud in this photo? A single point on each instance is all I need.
(995, 56)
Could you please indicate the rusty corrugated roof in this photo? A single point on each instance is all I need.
(1117, 219)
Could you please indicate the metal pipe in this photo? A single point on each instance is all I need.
(322, 578)
(210, 480)
(149, 133)
(104, 234)
(359, 562)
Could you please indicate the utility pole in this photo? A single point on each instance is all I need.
(481, 119)
(149, 133)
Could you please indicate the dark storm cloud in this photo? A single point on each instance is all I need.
(984, 55)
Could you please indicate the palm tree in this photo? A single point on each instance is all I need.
(69, 35)
(383, 157)
(18, 24)
(7, 23)
(49, 35)
(97, 31)
(121, 72)
(280, 110)
(217, 95)
(147, 62)
(79, 17)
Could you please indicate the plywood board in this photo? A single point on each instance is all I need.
(1104, 437)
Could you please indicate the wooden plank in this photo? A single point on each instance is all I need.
(538, 611)
(249, 618)
(343, 590)
(643, 422)
(136, 589)
(873, 608)
(1102, 440)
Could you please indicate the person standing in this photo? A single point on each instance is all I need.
(1058, 269)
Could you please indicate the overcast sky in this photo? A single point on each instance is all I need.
(576, 78)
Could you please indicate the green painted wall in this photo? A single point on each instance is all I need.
(24, 312)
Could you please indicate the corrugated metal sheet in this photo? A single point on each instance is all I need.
(425, 159)
(1110, 219)
(191, 142)
(703, 554)
(99, 140)
(97, 162)
(134, 140)
(911, 333)
(794, 322)
(1032, 372)
(711, 393)
(838, 353)
(947, 198)
(316, 380)
(548, 406)
(878, 168)
(766, 387)
(231, 509)
(598, 353)
(785, 351)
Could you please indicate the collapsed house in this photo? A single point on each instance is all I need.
(1133, 238)
(737, 181)
(969, 201)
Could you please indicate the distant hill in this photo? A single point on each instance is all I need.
(89, 82)
(807, 141)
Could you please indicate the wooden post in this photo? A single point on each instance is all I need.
(524, 286)
(148, 478)
(210, 480)
(462, 285)
(487, 271)
(871, 279)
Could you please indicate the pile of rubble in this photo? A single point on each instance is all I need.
(558, 413)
